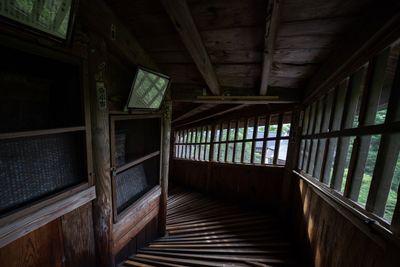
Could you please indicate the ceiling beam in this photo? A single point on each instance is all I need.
(194, 111)
(271, 30)
(181, 17)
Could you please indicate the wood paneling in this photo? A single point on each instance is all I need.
(77, 229)
(330, 237)
(247, 183)
(40, 248)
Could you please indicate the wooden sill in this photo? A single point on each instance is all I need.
(374, 227)
(137, 161)
(4, 136)
(31, 218)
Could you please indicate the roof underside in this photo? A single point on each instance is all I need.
(233, 33)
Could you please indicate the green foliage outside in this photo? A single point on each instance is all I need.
(369, 169)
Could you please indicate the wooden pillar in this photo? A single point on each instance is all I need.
(291, 161)
(162, 215)
(102, 215)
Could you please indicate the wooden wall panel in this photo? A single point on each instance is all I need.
(331, 239)
(40, 248)
(77, 228)
(248, 183)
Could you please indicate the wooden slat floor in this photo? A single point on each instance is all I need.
(203, 231)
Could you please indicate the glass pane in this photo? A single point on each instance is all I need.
(258, 152)
(273, 125)
(319, 113)
(207, 155)
(202, 152)
(306, 118)
(269, 152)
(250, 128)
(217, 133)
(232, 129)
(260, 127)
(393, 61)
(311, 124)
(369, 169)
(339, 104)
(247, 152)
(347, 160)
(224, 132)
(392, 197)
(287, 118)
(240, 134)
(357, 84)
(203, 138)
(230, 153)
(148, 90)
(199, 135)
(238, 152)
(327, 112)
(283, 148)
(208, 134)
(216, 146)
(192, 148)
(301, 154)
(222, 152)
(53, 18)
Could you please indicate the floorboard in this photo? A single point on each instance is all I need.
(203, 231)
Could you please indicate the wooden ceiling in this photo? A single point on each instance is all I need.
(235, 36)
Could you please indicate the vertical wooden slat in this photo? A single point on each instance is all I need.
(387, 158)
(253, 147)
(246, 121)
(166, 132)
(320, 148)
(227, 141)
(212, 138)
(219, 140)
(278, 138)
(374, 84)
(313, 143)
(349, 111)
(235, 139)
(264, 149)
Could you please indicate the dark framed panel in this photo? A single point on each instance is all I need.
(136, 149)
(45, 137)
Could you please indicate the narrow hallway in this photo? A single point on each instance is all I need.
(203, 231)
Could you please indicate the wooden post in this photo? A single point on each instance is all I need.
(102, 215)
(162, 215)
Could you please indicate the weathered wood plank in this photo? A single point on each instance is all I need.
(182, 19)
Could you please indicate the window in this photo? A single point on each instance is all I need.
(351, 139)
(255, 140)
(193, 143)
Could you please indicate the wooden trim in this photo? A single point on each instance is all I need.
(137, 161)
(134, 211)
(21, 223)
(367, 222)
(235, 138)
(365, 130)
(182, 19)
(5, 136)
(271, 32)
(266, 129)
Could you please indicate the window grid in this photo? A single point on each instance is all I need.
(349, 143)
(253, 140)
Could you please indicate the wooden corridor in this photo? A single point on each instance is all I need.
(202, 231)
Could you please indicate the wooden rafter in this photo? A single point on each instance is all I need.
(181, 17)
(271, 30)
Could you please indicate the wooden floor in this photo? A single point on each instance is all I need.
(205, 232)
